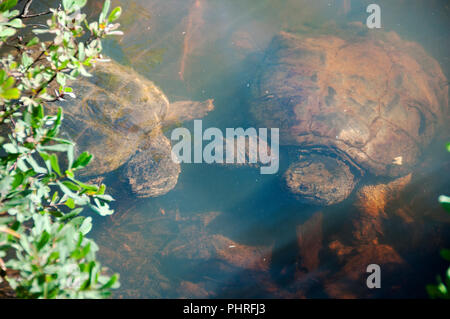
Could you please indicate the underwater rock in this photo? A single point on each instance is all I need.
(247, 257)
(372, 199)
(126, 248)
(365, 248)
(309, 240)
(371, 203)
(196, 242)
(350, 281)
(189, 289)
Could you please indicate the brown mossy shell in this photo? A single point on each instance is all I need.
(377, 99)
(115, 111)
(118, 117)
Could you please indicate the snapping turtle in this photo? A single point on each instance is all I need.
(366, 104)
(119, 118)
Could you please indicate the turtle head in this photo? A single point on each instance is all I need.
(151, 171)
(320, 179)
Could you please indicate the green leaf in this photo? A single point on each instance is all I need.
(55, 148)
(10, 148)
(79, 200)
(68, 5)
(61, 79)
(445, 202)
(432, 291)
(55, 164)
(101, 190)
(33, 41)
(70, 203)
(7, 32)
(72, 186)
(442, 289)
(26, 60)
(7, 5)
(24, 242)
(62, 141)
(70, 156)
(3, 76)
(18, 180)
(86, 226)
(11, 94)
(86, 187)
(69, 174)
(106, 198)
(72, 214)
(89, 269)
(115, 14)
(55, 197)
(45, 237)
(16, 23)
(38, 113)
(81, 52)
(9, 83)
(105, 11)
(111, 282)
(445, 253)
(36, 167)
(101, 208)
(80, 3)
(82, 160)
(56, 213)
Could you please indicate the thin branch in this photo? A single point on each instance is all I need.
(2, 268)
(9, 231)
(36, 15)
(26, 9)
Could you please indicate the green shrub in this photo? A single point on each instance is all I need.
(442, 288)
(44, 251)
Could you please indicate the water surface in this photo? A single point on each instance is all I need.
(231, 232)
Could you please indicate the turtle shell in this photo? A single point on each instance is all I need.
(375, 100)
(115, 111)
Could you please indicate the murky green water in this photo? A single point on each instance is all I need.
(231, 232)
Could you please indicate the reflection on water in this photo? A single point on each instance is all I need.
(231, 232)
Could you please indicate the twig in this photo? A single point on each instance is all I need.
(26, 9)
(2, 268)
(9, 231)
(36, 15)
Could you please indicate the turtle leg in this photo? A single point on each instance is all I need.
(182, 111)
(151, 171)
